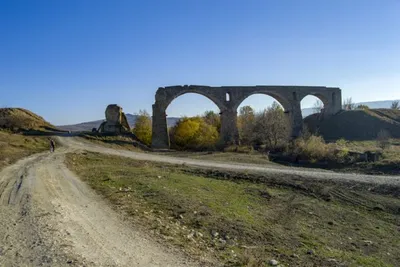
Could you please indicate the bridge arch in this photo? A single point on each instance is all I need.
(228, 99)
(281, 100)
(165, 97)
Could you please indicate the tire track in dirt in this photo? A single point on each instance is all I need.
(52, 218)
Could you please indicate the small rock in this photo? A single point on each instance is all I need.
(368, 242)
(190, 236)
(199, 234)
(180, 216)
(295, 256)
(214, 233)
(222, 241)
(310, 252)
(159, 177)
(273, 262)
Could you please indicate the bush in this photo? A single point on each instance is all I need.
(193, 133)
(341, 142)
(341, 155)
(313, 148)
(383, 139)
(142, 128)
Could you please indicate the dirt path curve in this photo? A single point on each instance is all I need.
(78, 143)
(48, 217)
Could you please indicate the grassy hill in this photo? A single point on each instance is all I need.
(19, 119)
(383, 104)
(356, 124)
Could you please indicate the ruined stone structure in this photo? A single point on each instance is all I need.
(116, 121)
(229, 98)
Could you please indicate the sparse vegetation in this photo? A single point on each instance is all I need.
(348, 104)
(16, 146)
(395, 105)
(383, 139)
(362, 107)
(245, 219)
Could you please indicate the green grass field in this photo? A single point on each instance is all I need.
(247, 219)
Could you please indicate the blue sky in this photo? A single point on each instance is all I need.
(66, 60)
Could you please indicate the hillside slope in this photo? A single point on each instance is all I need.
(356, 124)
(19, 119)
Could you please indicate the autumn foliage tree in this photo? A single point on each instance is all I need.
(213, 119)
(142, 128)
(246, 120)
(193, 133)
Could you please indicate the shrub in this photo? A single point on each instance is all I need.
(341, 155)
(142, 128)
(341, 142)
(193, 133)
(395, 105)
(348, 104)
(313, 148)
(363, 107)
(383, 139)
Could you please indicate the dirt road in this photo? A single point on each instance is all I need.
(78, 143)
(48, 217)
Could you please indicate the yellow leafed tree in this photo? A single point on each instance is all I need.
(193, 133)
(142, 128)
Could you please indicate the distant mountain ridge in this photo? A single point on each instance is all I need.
(88, 126)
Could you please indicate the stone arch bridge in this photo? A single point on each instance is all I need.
(229, 98)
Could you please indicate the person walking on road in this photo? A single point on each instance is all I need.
(52, 145)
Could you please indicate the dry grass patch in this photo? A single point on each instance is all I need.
(247, 220)
(16, 146)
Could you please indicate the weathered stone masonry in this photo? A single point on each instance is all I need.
(229, 98)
